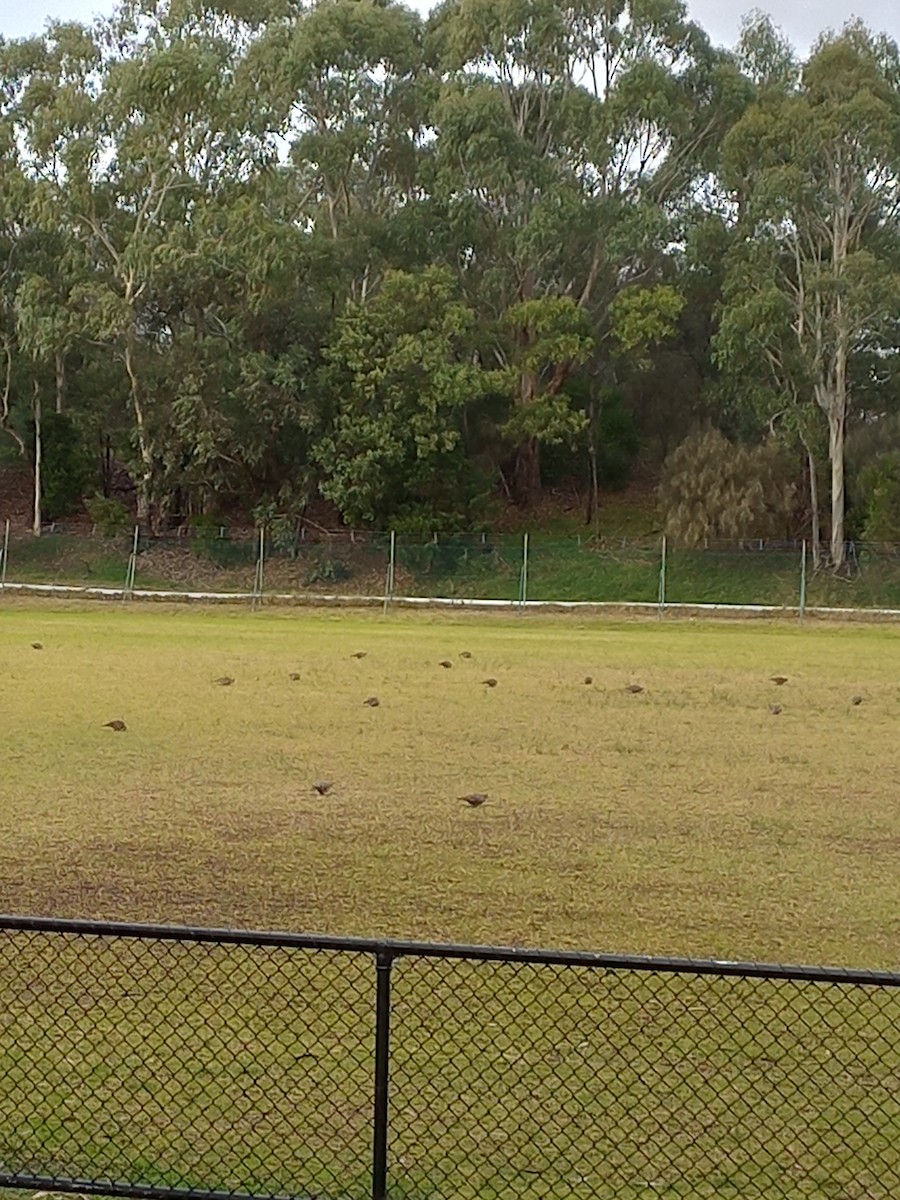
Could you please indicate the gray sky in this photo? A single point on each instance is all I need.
(801, 20)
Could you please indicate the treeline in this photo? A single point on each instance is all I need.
(256, 252)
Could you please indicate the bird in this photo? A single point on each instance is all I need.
(775, 709)
(117, 726)
(489, 682)
(445, 663)
(323, 787)
(224, 681)
(359, 654)
(588, 679)
(372, 702)
(465, 654)
(474, 799)
(37, 645)
(779, 680)
(634, 688)
(295, 675)
(857, 700)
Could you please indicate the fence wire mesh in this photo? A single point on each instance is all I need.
(545, 1081)
(288, 561)
(181, 1065)
(154, 1063)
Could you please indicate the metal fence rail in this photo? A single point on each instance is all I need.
(165, 1062)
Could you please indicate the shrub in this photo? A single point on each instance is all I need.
(108, 515)
(879, 491)
(714, 489)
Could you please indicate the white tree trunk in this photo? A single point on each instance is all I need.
(38, 454)
(815, 530)
(836, 424)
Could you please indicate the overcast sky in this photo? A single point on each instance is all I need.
(801, 20)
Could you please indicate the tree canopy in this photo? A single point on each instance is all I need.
(260, 252)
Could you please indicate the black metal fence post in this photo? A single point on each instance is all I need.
(384, 960)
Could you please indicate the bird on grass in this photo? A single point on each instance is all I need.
(465, 654)
(224, 681)
(323, 787)
(294, 675)
(116, 726)
(778, 680)
(588, 679)
(359, 654)
(856, 700)
(775, 709)
(474, 799)
(445, 663)
(634, 688)
(489, 682)
(372, 702)
(37, 645)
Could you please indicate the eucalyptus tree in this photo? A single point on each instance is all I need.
(814, 278)
(561, 136)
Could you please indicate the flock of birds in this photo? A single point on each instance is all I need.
(323, 787)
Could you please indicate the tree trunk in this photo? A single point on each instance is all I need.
(145, 479)
(836, 423)
(60, 365)
(815, 531)
(593, 513)
(527, 480)
(38, 454)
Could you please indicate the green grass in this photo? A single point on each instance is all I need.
(686, 820)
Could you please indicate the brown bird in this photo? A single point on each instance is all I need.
(634, 688)
(295, 675)
(372, 702)
(489, 682)
(465, 654)
(323, 787)
(775, 709)
(474, 799)
(857, 700)
(224, 681)
(359, 654)
(445, 663)
(588, 679)
(37, 645)
(117, 726)
(779, 680)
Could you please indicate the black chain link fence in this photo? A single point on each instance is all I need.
(200, 1063)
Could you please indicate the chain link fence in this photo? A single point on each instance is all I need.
(162, 1062)
(295, 563)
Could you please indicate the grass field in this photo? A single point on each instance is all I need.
(687, 819)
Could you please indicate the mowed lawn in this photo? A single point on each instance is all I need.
(685, 820)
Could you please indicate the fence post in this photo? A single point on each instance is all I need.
(389, 582)
(523, 577)
(662, 580)
(802, 612)
(383, 962)
(4, 557)
(258, 577)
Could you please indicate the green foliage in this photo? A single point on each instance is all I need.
(264, 252)
(109, 516)
(879, 495)
(618, 441)
(66, 467)
(401, 374)
(714, 489)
